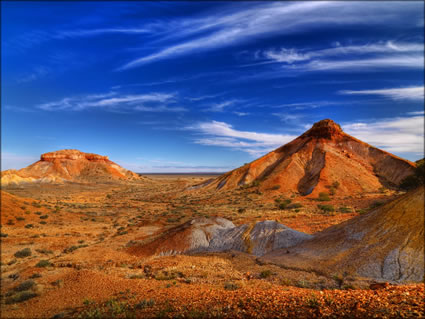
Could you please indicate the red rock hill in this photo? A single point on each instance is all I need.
(68, 165)
(317, 159)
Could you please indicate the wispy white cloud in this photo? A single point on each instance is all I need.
(416, 113)
(221, 106)
(415, 93)
(35, 74)
(203, 97)
(292, 55)
(306, 105)
(362, 57)
(241, 113)
(96, 32)
(236, 25)
(411, 61)
(223, 134)
(112, 101)
(396, 135)
(287, 117)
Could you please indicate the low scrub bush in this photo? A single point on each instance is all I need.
(294, 205)
(231, 286)
(344, 209)
(43, 263)
(26, 252)
(145, 303)
(265, 273)
(26, 285)
(20, 297)
(284, 203)
(323, 197)
(326, 208)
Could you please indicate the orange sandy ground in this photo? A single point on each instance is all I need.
(95, 279)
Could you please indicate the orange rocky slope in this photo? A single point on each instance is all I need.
(385, 244)
(68, 165)
(315, 160)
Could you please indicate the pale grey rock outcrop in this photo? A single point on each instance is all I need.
(264, 237)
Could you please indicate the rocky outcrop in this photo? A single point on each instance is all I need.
(192, 236)
(68, 165)
(72, 155)
(385, 244)
(258, 239)
(218, 235)
(320, 157)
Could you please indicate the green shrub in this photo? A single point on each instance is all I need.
(145, 303)
(294, 205)
(43, 222)
(20, 297)
(38, 213)
(3, 235)
(344, 209)
(26, 285)
(231, 286)
(275, 187)
(43, 263)
(44, 217)
(323, 197)
(326, 208)
(26, 252)
(265, 273)
(29, 226)
(44, 251)
(20, 218)
(312, 302)
(70, 249)
(10, 222)
(284, 203)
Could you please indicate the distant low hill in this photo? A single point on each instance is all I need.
(68, 165)
(322, 159)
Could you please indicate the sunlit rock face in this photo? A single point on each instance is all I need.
(321, 157)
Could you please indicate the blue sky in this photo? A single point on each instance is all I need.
(199, 86)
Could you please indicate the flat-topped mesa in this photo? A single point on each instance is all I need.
(71, 155)
(324, 129)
